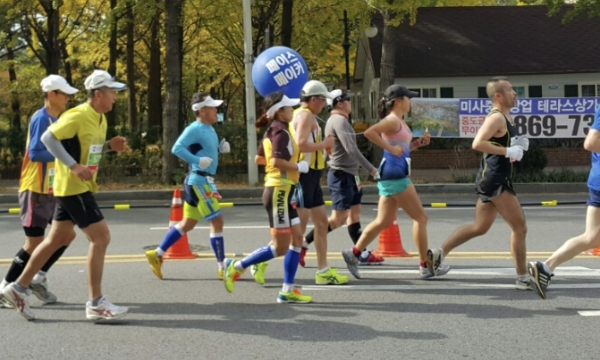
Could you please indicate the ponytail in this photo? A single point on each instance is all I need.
(383, 107)
(262, 122)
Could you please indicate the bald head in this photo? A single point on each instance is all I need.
(496, 85)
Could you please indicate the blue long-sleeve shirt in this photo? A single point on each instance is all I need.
(40, 121)
(198, 140)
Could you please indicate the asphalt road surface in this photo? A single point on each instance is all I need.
(474, 312)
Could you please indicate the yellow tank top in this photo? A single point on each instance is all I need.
(315, 159)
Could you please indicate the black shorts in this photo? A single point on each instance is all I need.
(80, 209)
(36, 212)
(489, 187)
(312, 194)
(344, 191)
(280, 205)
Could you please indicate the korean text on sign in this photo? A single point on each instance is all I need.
(285, 67)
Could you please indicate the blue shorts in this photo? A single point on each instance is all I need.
(594, 198)
(389, 188)
(343, 189)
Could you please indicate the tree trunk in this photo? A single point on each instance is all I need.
(286, 23)
(15, 105)
(173, 90)
(131, 92)
(111, 116)
(387, 75)
(53, 53)
(154, 78)
(66, 62)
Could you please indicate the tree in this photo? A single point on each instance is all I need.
(173, 91)
(131, 88)
(589, 7)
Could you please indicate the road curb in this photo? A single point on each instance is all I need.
(256, 192)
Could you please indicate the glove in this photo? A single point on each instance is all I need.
(224, 147)
(377, 177)
(521, 141)
(302, 167)
(514, 152)
(205, 162)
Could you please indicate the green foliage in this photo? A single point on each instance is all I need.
(534, 160)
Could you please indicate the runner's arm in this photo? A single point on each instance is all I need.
(592, 139)
(181, 147)
(373, 133)
(37, 150)
(56, 148)
(491, 126)
(280, 156)
(303, 132)
(347, 137)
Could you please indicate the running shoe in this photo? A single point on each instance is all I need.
(351, 262)
(371, 260)
(302, 255)
(41, 292)
(521, 284)
(294, 297)
(426, 273)
(221, 272)
(105, 310)
(330, 277)
(436, 257)
(155, 262)
(230, 274)
(539, 277)
(258, 272)
(18, 300)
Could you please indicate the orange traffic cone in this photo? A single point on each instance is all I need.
(181, 249)
(390, 242)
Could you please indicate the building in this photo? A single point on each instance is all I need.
(451, 52)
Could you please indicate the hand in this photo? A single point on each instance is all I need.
(302, 167)
(521, 141)
(82, 172)
(514, 152)
(375, 174)
(425, 139)
(205, 162)
(224, 147)
(328, 142)
(397, 150)
(118, 144)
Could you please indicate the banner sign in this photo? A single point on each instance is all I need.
(533, 117)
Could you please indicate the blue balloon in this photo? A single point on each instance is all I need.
(279, 68)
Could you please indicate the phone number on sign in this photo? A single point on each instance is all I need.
(538, 126)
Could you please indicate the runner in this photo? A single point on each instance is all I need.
(541, 272)
(279, 152)
(343, 179)
(395, 188)
(35, 192)
(77, 140)
(500, 147)
(199, 147)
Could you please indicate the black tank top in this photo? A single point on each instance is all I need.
(498, 165)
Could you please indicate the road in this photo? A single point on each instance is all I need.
(474, 312)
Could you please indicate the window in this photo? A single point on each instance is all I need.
(521, 91)
(571, 91)
(535, 91)
(426, 92)
(481, 93)
(447, 92)
(589, 89)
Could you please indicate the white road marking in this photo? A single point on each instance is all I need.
(439, 286)
(589, 313)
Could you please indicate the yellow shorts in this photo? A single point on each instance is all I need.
(200, 204)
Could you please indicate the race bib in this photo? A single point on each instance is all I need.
(94, 156)
(51, 180)
(358, 184)
(213, 188)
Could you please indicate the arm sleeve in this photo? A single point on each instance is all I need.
(280, 145)
(347, 138)
(56, 148)
(37, 150)
(181, 147)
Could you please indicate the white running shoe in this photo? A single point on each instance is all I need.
(436, 257)
(41, 292)
(426, 273)
(18, 300)
(105, 310)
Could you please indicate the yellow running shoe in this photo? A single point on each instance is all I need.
(155, 263)
(231, 274)
(237, 276)
(294, 297)
(331, 277)
(258, 271)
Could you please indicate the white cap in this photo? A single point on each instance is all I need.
(286, 101)
(335, 93)
(314, 88)
(338, 95)
(101, 78)
(209, 102)
(57, 82)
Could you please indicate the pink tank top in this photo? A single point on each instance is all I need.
(403, 136)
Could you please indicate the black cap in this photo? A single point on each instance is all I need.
(399, 91)
(342, 97)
